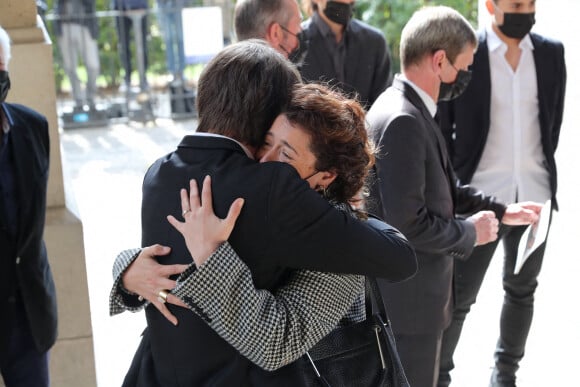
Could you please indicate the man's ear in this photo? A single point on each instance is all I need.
(437, 60)
(274, 34)
(489, 6)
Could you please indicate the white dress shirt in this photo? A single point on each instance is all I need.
(426, 98)
(512, 166)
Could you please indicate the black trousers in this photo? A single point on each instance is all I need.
(419, 355)
(518, 304)
(124, 28)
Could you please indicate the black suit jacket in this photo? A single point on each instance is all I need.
(24, 266)
(367, 67)
(416, 191)
(284, 224)
(465, 120)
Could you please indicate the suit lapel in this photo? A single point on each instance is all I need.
(416, 100)
(354, 52)
(433, 127)
(317, 51)
(544, 81)
(24, 177)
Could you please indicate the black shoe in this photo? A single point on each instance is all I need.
(499, 379)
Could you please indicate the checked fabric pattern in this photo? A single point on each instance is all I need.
(271, 330)
(120, 299)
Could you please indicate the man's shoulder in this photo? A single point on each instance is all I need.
(393, 101)
(542, 41)
(17, 110)
(369, 32)
(392, 108)
(24, 118)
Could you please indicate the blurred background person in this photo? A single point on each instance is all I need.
(28, 321)
(344, 51)
(171, 24)
(76, 29)
(136, 22)
(276, 21)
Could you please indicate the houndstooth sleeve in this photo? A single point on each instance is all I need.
(271, 330)
(120, 299)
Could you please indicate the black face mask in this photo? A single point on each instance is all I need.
(4, 85)
(517, 25)
(299, 53)
(449, 91)
(340, 13)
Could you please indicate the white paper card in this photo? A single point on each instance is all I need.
(533, 237)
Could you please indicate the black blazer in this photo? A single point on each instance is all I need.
(367, 67)
(416, 191)
(23, 260)
(465, 120)
(284, 224)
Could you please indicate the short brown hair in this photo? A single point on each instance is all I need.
(242, 91)
(435, 28)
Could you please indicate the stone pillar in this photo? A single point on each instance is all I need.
(31, 72)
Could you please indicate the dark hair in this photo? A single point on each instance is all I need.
(243, 89)
(253, 17)
(337, 128)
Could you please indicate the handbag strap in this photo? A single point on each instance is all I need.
(373, 297)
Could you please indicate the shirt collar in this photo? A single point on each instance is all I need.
(244, 148)
(494, 42)
(426, 98)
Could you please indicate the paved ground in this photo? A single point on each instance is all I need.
(104, 167)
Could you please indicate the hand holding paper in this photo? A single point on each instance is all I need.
(519, 214)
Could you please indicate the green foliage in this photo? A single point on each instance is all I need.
(390, 16)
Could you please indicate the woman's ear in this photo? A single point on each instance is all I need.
(325, 178)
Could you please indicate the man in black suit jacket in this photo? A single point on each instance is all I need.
(503, 138)
(417, 191)
(345, 51)
(285, 224)
(27, 295)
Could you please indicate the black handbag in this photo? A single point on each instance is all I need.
(363, 354)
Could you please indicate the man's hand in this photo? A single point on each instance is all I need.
(146, 277)
(486, 227)
(523, 213)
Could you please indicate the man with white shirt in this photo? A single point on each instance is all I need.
(502, 134)
(416, 189)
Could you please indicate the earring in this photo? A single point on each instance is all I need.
(321, 190)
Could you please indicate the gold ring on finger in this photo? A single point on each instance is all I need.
(162, 296)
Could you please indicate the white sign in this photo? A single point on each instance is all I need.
(202, 33)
